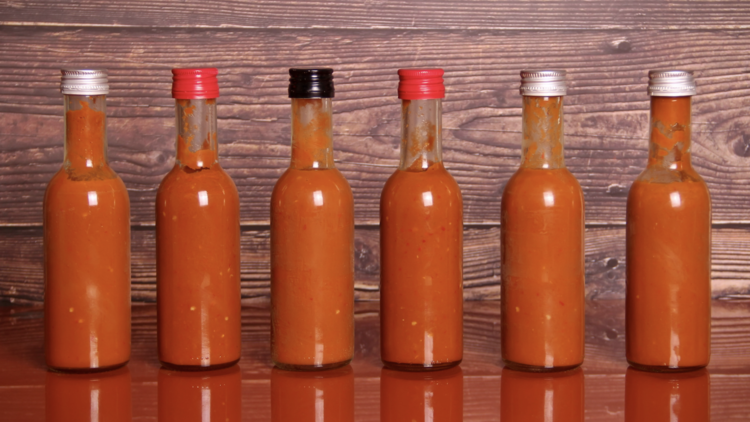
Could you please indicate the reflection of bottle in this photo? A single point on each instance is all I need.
(421, 235)
(542, 298)
(200, 396)
(97, 397)
(197, 238)
(312, 239)
(668, 299)
(321, 396)
(550, 396)
(674, 397)
(86, 240)
(421, 396)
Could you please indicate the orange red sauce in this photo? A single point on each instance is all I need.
(669, 250)
(421, 396)
(312, 252)
(86, 250)
(88, 397)
(198, 256)
(200, 396)
(542, 226)
(542, 397)
(652, 397)
(312, 396)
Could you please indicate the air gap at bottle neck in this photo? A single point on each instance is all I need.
(311, 91)
(421, 92)
(195, 92)
(543, 139)
(85, 93)
(671, 93)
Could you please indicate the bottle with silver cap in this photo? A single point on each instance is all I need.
(542, 239)
(86, 239)
(668, 294)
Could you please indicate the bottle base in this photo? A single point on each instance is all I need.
(418, 367)
(309, 368)
(664, 369)
(197, 368)
(86, 370)
(534, 368)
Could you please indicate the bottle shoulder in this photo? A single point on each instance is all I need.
(326, 184)
(435, 178)
(183, 180)
(543, 180)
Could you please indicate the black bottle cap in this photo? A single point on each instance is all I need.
(310, 83)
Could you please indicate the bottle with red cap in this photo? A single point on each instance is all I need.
(421, 239)
(197, 238)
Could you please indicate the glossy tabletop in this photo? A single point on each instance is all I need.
(481, 390)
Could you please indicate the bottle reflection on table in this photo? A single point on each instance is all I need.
(200, 396)
(319, 396)
(543, 397)
(103, 396)
(421, 396)
(673, 397)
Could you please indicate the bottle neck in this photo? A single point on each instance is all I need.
(421, 128)
(669, 145)
(543, 139)
(312, 127)
(85, 133)
(197, 147)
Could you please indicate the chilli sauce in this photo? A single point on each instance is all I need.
(86, 245)
(312, 240)
(326, 396)
(654, 397)
(421, 240)
(542, 397)
(668, 301)
(435, 396)
(100, 397)
(197, 238)
(205, 396)
(542, 248)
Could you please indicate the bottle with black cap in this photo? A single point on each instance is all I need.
(312, 239)
(542, 239)
(668, 237)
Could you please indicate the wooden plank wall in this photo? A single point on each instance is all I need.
(606, 46)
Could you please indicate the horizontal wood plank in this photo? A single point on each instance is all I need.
(22, 275)
(22, 375)
(392, 14)
(606, 111)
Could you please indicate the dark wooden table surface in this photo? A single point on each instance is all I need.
(24, 379)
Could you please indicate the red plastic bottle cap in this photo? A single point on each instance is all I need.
(193, 84)
(420, 84)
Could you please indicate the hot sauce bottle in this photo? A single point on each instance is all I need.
(326, 396)
(655, 397)
(542, 255)
(668, 300)
(312, 239)
(435, 396)
(197, 238)
(541, 397)
(203, 396)
(421, 239)
(88, 397)
(86, 240)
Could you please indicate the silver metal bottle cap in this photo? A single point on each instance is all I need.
(84, 82)
(671, 83)
(543, 83)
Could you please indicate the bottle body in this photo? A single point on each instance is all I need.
(668, 297)
(198, 249)
(312, 250)
(541, 397)
(421, 251)
(542, 250)
(86, 249)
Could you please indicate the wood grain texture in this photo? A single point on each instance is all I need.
(472, 14)
(22, 275)
(22, 373)
(606, 110)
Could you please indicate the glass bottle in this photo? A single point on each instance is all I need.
(421, 239)
(542, 240)
(312, 239)
(197, 238)
(541, 397)
(86, 240)
(668, 295)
